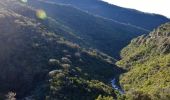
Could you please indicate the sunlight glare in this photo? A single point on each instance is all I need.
(41, 14)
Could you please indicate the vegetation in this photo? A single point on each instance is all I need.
(104, 98)
(68, 85)
(116, 13)
(10, 96)
(147, 59)
(41, 64)
(51, 55)
(105, 35)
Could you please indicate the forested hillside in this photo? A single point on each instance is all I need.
(56, 51)
(105, 35)
(124, 15)
(147, 60)
(38, 64)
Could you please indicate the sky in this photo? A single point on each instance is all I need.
(151, 6)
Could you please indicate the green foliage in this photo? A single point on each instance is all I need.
(147, 60)
(64, 85)
(137, 95)
(104, 98)
(93, 31)
(42, 64)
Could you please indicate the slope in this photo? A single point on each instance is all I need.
(39, 64)
(128, 16)
(105, 35)
(147, 59)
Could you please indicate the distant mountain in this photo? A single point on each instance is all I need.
(147, 59)
(105, 35)
(128, 16)
(38, 64)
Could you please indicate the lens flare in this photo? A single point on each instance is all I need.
(41, 14)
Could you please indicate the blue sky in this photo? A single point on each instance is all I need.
(152, 6)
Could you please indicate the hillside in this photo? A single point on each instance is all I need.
(42, 65)
(105, 35)
(147, 59)
(128, 16)
(52, 51)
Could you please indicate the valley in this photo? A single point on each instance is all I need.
(64, 50)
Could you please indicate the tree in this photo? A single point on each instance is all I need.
(11, 96)
(100, 97)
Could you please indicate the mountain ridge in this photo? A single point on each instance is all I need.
(97, 26)
(95, 15)
(117, 13)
